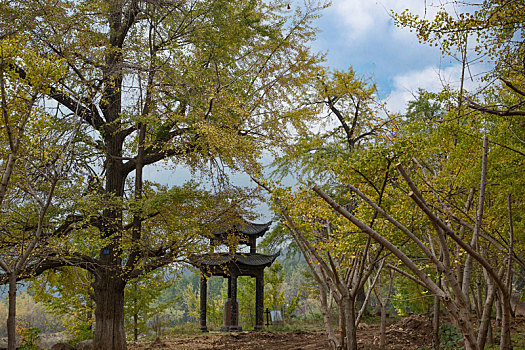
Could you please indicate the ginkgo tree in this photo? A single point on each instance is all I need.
(441, 184)
(490, 31)
(200, 84)
(348, 126)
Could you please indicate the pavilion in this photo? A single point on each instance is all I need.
(231, 265)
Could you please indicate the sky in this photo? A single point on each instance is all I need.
(362, 34)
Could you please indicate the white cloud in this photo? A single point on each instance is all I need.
(431, 78)
(363, 17)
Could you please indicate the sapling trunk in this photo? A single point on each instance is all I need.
(436, 340)
(487, 309)
(333, 342)
(11, 318)
(382, 329)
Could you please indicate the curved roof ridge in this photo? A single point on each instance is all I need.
(247, 228)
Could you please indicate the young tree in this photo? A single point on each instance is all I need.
(37, 156)
(348, 123)
(456, 303)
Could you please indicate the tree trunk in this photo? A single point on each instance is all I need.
(349, 309)
(360, 298)
(487, 310)
(505, 341)
(342, 326)
(135, 314)
(435, 324)
(382, 329)
(460, 316)
(327, 318)
(498, 311)
(109, 311)
(490, 334)
(11, 318)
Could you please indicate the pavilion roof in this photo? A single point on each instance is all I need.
(247, 259)
(244, 228)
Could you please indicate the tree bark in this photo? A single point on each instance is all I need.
(498, 311)
(436, 340)
(349, 312)
(109, 311)
(479, 217)
(333, 342)
(135, 314)
(382, 329)
(505, 340)
(487, 309)
(11, 318)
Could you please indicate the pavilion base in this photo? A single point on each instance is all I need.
(231, 329)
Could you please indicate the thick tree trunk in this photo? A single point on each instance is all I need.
(109, 312)
(11, 318)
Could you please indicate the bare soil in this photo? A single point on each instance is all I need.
(410, 333)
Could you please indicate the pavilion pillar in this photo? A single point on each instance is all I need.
(234, 311)
(203, 300)
(259, 300)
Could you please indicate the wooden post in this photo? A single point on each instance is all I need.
(203, 299)
(259, 300)
(234, 326)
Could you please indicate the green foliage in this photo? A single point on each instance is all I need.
(410, 297)
(29, 336)
(492, 24)
(66, 293)
(191, 301)
(202, 85)
(246, 300)
(274, 298)
(142, 302)
(215, 307)
(82, 332)
(30, 313)
(450, 338)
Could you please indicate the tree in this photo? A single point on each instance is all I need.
(204, 84)
(37, 156)
(142, 302)
(351, 128)
(494, 32)
(457, 304)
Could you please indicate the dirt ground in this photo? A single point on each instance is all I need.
(409, 333)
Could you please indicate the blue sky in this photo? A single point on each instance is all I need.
(362, 34)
